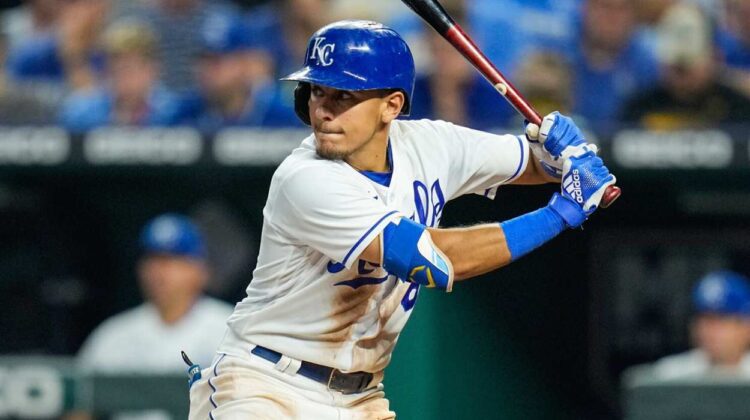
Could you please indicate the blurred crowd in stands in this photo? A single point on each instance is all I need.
(658, 64)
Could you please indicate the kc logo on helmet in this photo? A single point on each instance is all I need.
(322, 52)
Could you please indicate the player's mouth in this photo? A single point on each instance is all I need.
(328, 133)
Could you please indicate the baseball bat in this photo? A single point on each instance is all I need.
(434, 14)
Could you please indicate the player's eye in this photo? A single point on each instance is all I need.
(316, 91)
(345, 95)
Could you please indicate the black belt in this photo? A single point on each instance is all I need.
(346, 383)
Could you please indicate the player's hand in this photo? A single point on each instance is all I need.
(557, 139)
(585, 178)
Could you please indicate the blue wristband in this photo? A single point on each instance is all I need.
(572, 213)
(526, 233)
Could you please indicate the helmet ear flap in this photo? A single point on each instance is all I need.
(301, 97)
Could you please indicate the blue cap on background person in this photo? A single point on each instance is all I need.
(172, 234)
(224, 33)
(723, 292)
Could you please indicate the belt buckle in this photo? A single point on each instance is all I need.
(336, 386)
(330, 383)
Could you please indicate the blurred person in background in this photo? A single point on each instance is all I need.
(32, 37)
(367, 9)
(51, 42)
(178, 40)
(609, 63)
(649, 13)
(20, 105)
(734, 42)
(172, 274)
(235, 83)
(82, 23)
(720, 330)
(283, 27)
(130, 94)
(690, 93)
(175, 316)
(545, 78)
(451, 89)
(509, 29)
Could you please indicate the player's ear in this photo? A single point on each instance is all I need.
(393, 103)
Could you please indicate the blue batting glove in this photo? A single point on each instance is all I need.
(557, 139)
(585, 178)
(556, 133)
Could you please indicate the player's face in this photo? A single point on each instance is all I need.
(724, 338)
(167, 280)
(345, 121)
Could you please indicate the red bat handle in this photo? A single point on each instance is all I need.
(463, 43)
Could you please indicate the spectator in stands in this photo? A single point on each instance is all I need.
(734, 42)
(175, 317)
(81, 25)
(131, 94)
(52, 40)
(367, 9)
(175, 23)
(650, 12)
(20, 105)
(452, 90)
(283, 28)
(234, 90)
(509, 29)
(610, 64)
(545, 79)
(32, 36)
(720, 330)
(690, 93)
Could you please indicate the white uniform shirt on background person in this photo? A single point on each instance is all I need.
(138, 341)
(310, 297)
(695, 364)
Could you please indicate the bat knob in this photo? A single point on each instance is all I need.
(611, 194)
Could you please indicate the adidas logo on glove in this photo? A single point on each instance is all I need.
(572, 186)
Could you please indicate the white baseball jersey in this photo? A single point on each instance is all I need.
(311, 298)
(138, 341)
(696, 364)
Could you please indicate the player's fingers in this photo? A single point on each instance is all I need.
(547, 123)
(532, 132)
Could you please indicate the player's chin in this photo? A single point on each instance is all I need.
(329, 146)
(330, 151)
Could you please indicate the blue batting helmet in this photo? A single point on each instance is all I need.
(723, 292)
(172, 234)
(354, 55)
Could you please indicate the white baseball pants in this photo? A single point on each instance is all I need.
(250, 387)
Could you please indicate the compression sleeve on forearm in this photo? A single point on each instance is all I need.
(528, 232)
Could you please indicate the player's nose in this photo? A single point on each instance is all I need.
(322, 111)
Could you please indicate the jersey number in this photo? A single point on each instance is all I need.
(428, 203)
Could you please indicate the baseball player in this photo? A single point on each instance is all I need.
(351, 235)
(172, 272)
(720, 330)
